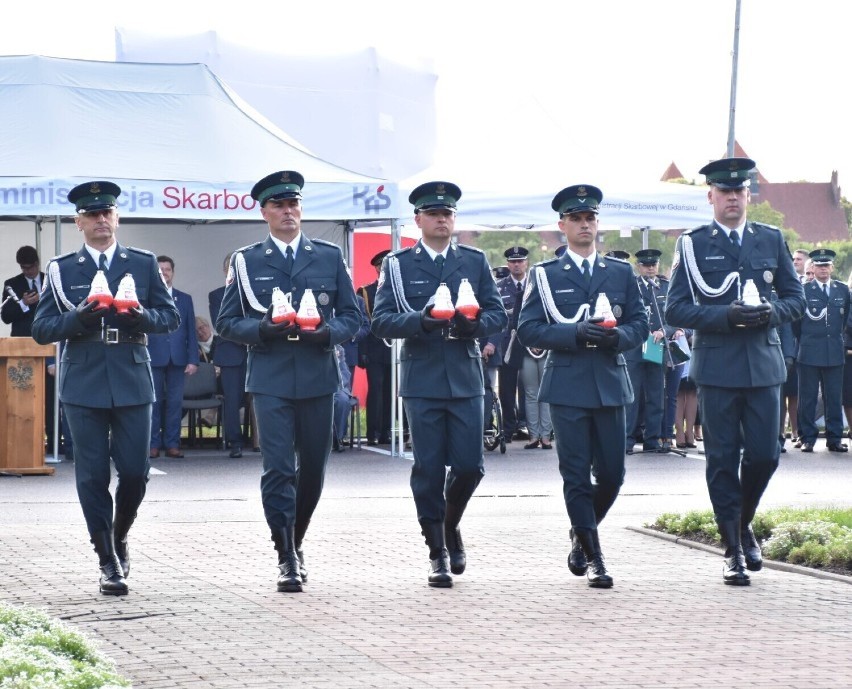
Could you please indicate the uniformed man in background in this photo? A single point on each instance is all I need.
(375, 357)
(292, 372)
(648, 376)
(511, 290)
(585, 378)
(737, 361)
(105, 379)
(822, 352)
(441, 379)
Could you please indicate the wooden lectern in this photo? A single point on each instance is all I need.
(22, 372)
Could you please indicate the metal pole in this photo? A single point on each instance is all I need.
(735, 58)
(397, 439)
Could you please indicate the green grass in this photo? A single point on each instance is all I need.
(39, 652)
(814, 536)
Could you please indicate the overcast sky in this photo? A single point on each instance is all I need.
(539, 95)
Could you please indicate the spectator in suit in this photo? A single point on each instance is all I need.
(511, 289)
(173, 355)
(230, 358)
(22, 293)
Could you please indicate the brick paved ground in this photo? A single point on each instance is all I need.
(203, 610)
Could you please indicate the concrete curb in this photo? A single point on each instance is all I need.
(769, 564)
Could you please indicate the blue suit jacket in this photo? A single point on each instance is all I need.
(821, 342)
(721, 355)
(574, 374)
(432, 366)
(226, 353)
(179, 347)
(94, 374)
(22, 321)
(292, 370)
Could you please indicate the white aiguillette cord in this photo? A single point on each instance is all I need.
(550, 306)
(693, 271)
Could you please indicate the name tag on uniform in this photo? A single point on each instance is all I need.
(79, 287)
(260, 279)
(715, 258)
(418, 282)
(562, 291)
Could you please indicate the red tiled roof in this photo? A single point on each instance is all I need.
(812, 209)
(672, 172)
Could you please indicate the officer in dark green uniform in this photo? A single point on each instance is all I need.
(585, 378)
(441, 378)
(292, 372)
(722, 277)
(822, 353)
(105, 379)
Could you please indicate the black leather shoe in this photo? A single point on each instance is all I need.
(629, 450)
(807, 447)
(112, 583)
(653, 447)
(439, 571)
(751, 550)
(534, 445)
(236, 452)
(289, 579)
(455, 548)
(372, 442)
(597, 575)
(838, 447)
(577, 563)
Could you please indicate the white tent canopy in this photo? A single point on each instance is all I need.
(177, 140)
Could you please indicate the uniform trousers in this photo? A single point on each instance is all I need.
(167, 410)
(648, 380)
(508, 376)
(444, 433)
(379, 401)
(98, 433)
(589, 442)
(732, 417)
(233, 380)
(830, 378)
(295, 439)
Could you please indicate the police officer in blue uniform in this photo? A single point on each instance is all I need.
(647, 376)
(375, 357)
(511, 290)
(441, 379)
(737, 359)
(822, 352)
(292, 372)
(585, 378)
(105, 379)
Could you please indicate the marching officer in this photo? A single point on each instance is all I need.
(822, 352)
(737, 360)
(375, 357)
(105, 379)
(291, 372)
(585, 377)
(648, 376)
(441, 378)
(511, 290)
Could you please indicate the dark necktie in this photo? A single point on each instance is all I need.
(587, 274)
(288, 260)
(102, 262)
(439, 261)
(735, 238)
(825, 290)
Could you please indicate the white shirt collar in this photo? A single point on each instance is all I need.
(282, 246)
(96, 255)
(432, 253)
(578, 260)
(728, 230)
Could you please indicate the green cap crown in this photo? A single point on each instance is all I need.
(94, 196)
(577, 198)
(729, 173)
(284, 184)
(433, 195)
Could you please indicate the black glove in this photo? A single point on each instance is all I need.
(363, 360)
(610, 338)
(430, 324)
(321, 335)
(131, 319)
(742, 316)
(463, 326)
(275, 331)
(89, 314)
(590, 332)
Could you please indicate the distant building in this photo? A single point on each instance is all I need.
(812, 209)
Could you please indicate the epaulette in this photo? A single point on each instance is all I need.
(695, 229)
(469, 248)
(547, 262)
(662, 278)
(140, 251)
(400, 252)
(326, 242)
(61, 256)
(619, 260)
(247, 246)
(765, 226)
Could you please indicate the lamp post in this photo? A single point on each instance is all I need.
(735, 56)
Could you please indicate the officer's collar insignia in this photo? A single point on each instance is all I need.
(81, 259)
(601, 265)
(123, 255)
(417, 250)
(268, 251)
(567, 266)
(308, 247)
(714, 232)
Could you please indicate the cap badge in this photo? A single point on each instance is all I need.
(95, 188)
(581, 191)
(285, 178)
(440, 189)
